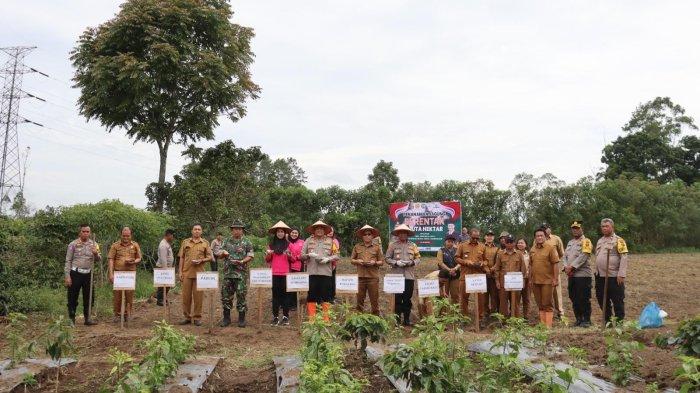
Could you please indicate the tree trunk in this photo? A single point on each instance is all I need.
(160, 194)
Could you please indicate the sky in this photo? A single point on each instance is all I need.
(443, 89)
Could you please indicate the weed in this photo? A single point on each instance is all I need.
(577, 356)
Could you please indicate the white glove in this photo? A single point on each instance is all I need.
(325, 260)
(400, 263)
(313, 255)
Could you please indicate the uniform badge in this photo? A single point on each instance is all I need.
(621, 246)
(586, 246)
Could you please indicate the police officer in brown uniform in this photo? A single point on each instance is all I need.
(81, 256)
(576, 265)
(508, 260)
(558, 245)
(368, 257)
(544, 273)
(491, 249)
(616, 270)
(194, 253)
(470, 256)
(403, 257)
(449, 269)
(123, 255)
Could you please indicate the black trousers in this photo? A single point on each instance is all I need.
(402, 301)
(79, 281)
(616, 297)
(320, 289)
(580, 295)
(280, 296)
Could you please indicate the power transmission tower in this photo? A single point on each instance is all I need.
(10, 169)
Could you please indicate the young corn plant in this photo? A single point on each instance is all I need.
(20, 348)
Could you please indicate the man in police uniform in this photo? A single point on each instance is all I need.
(81, 256)
(237, 252)
(616, 270)
(576, 265)
(403, 257)
(556, 242)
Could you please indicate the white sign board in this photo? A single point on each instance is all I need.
(207, 281)
(475, 283)
(297, 282)
(394, 283)
(261, 278)
(428, 287)
(124, 281)
(347, 283)
(164, 277)
(513, 281)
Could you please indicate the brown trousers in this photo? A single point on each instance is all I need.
(190, 294)
(506, 306)
(117, 302)
(526, 297)
(492, 300)
(543, 296)
(450, 288)
(368, 285)
(557, 298)
(464, 300)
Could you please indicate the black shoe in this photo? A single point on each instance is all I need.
(227, 318)
(184, 322)
(585, 323)
(407, 321)
(285, 321)
(241, 319)
(159, 304)
(275, 321)
(197, 322)
(90, 322)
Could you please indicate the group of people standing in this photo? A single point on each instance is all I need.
(287, 252)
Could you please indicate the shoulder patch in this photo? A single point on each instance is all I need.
(621, 246)
(586, 246)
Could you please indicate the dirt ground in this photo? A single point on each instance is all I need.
(671, 280)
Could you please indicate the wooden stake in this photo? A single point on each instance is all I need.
(121, 325)
(92, 285)
(259, 301)
(513, 307)
(165, 304)
(476, 311)
(211, 312)
(605, 287)
(299, 311)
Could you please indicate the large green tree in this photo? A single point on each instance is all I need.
(654, 147)
(164, 71)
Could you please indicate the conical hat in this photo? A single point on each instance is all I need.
(362, 230)
(404, 228)
(279, 225)
(311, 227)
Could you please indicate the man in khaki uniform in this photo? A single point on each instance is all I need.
(368, 257)
(194, 253)
(490, 302)
(403, 257)
(544, 272)
(319, 253)
(616, 270)
(123, 255)
(470, 256)
(509, 260)
(558, 245)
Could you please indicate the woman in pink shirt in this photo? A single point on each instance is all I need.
(296, 243)
(278, 257)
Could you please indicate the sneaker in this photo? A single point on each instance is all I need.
(275, 321)
(285, 321)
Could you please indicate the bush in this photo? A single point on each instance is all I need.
(362, 327)
(688, 337)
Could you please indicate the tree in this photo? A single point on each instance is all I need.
(164, 71)
(282, 172)
(384, 175)
(653, 148)
(19, 205)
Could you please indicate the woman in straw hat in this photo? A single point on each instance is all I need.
(279, 259)
(319, 252)
(296, 265)
(367, 256)
(403, 256)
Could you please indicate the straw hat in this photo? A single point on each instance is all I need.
(318, 223)
(402, 228)
(280, 225)
(361, 231)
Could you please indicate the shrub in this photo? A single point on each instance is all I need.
(363, 327)
(689, 374)
(688, 337)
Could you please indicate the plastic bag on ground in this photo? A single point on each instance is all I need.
(650, 317)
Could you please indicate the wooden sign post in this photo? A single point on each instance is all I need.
(476, 284)
(298, 282)
(513, 282)
(124, 281)
(260, 279)
(428, 288)
(209, 282)
(162, 280)
(394, 284)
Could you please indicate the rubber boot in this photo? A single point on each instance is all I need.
(326, 309)
(543, 320)
(241, 319)
(549, 317)
(227, 318)
(311, 310)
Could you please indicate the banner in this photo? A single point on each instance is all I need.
(431, 221)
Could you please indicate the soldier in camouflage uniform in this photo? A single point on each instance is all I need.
(237, 252)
